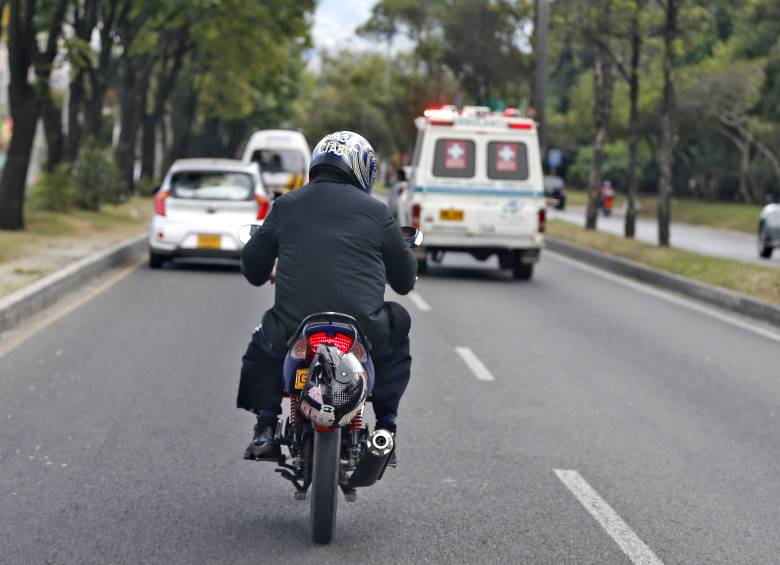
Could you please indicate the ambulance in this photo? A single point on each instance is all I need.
(476, 186)
(283, 157)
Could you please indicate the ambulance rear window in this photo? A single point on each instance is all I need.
(454, 158)
(507, 160)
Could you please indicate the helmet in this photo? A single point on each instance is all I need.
(336, 389)
(351, 154)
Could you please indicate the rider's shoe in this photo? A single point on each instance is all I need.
(263, 447)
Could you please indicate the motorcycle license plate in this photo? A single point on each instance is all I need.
(209, 241)
(301, 376)
(451, 215)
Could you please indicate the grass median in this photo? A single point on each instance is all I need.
(753, 280)
(720, 215)
(51, 240)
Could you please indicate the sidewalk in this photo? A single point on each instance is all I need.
(725, 244)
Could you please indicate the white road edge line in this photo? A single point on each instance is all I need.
(418, 301)
(473, 362)
(636, 550)
(691, 305)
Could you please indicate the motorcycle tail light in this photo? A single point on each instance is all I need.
(159, 202)
(608, 202)
(416, 211)
(542, 220)
(342, 341)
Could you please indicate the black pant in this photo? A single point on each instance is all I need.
(260, 389)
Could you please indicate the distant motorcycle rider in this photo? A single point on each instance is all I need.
(335, 247)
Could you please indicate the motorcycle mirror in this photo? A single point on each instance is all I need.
(412, 236)
(246, 232)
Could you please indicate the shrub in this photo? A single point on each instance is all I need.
(54, 191)
(97, 178)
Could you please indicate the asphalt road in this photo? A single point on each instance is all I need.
(728, 244)
(615, 418)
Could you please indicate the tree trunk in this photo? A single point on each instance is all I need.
(603, 81)
(744, 172)
(148, 145)
(633, 123)
(667, 134)
(25, 109)
(14, 178)
(52, 126)
(131, 93)
(75, 101)
(182, 119)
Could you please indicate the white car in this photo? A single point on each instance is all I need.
(200, 207)
(768, 230)
(283, 157)
(476, 187)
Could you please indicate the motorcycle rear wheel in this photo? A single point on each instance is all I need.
(324, 485)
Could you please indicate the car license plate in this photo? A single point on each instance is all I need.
(301, 376)
(209, 241)
(451, 215)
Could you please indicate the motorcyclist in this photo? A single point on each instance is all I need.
(335, 247)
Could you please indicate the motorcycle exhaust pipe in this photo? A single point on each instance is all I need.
(373, 459)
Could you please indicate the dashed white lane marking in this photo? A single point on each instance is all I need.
(473, 362)
(418, 301)
(636, 550)
(691, 305)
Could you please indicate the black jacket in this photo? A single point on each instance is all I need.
(336, 248)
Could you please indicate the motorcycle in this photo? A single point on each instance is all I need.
(328, 377)
(606, 199)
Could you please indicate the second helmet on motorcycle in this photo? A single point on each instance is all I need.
(349, 153)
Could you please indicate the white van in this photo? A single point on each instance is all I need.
(477, 187)
(283, 157)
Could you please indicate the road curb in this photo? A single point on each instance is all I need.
(721, 297)
(44, 292)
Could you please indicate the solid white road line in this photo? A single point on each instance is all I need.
(636, 550)
(473, 362)
(418, 301)
(710, 311)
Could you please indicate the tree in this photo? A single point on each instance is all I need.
(671, 11)
(26, 19)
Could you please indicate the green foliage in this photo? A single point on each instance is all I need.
(54, 191)
(97, 179)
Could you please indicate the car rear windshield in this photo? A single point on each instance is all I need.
(453, 158)
(507, 160)
(280, 160)
(212, 185)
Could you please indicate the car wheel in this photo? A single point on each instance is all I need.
(521, 271)
(156, 261)
(764, 250)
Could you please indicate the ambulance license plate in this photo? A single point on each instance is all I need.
(451, 215)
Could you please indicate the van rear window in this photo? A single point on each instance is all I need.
(280, 160)
(454, 158)
(507, 160)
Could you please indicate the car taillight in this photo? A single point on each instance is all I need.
(342, 341)
(416, 211)
(542, 220)
(159, 202)
(262, 206)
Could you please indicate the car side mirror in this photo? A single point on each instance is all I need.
(413, 236)
(246, 232)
